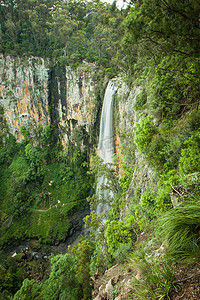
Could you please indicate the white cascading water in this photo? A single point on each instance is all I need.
(105, 147)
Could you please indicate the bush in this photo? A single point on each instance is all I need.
(163, 200)
(126, 178)
(99, 259)
(145, 210)
(10, 276)
(144, 134)
(61, 284)
(123, 252)
(141, 100)
(190, 157)
(190, 184)
(83, 253)
(118, 233)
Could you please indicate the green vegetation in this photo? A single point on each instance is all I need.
(155, 44)
(156, 278)
(181, 230)
(68, 32)
(144, 134)
(69, 278)
(11, 276)
(118, 233)
(61, 282)
(141, 100)
(43, 184)
(190, 156)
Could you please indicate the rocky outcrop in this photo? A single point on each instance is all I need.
(114, 284)
(32, 93)
(125, 115)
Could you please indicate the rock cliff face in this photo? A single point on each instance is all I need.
(31, 93)
(73, 102)
(24, 92)
(126, 118)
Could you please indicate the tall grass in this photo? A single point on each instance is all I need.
(181, 229)
(156, 278)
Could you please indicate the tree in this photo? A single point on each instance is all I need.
(61, 283)
(83, 253)
(162, 39)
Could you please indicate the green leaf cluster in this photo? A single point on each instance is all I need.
(190, 156)
(10, 275)
(144, 134)
(61, 282)
(119, 232)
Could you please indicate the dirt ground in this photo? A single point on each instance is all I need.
(187, 280)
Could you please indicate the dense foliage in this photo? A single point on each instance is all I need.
(155, 43)
(66, 31)
(38, 181)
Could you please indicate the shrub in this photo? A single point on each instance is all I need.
(123, 252)
(163, 200)
(83, 252)
(29, 290)
(190, 184)
(126, 178)
(118, 233)
(99, 259)
(141, 100)
(144, 134)
(61, 284)
(145, 209)
(190, 156)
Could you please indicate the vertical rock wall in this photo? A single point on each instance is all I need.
(31, 93)
(24, 92)
(73, 102)
(127, 117)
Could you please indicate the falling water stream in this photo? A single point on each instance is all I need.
(105, 146)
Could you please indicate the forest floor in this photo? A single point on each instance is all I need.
(187, 282)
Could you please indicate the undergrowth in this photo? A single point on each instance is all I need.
(155, 278)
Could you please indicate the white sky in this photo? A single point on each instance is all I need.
(120, 3)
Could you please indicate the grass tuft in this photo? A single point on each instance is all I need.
(181, 229)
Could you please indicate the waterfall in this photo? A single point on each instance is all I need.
(105, 146)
